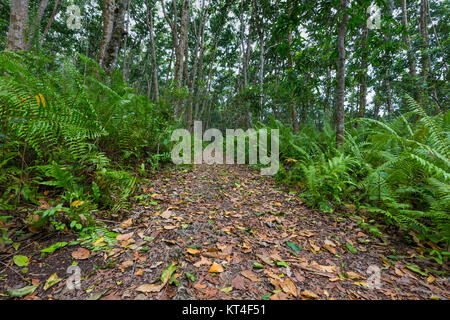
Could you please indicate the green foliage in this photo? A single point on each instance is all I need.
(70, 131)
(397, 169)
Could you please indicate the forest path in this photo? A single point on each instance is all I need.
(225, 232)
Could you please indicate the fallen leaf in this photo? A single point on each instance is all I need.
(314, 248)
(166, 214)
(81, 254)
(430, 279)
(203, 261)
(306, 294)
(265, 259)
(124, 237)
(216, 268)
(146, 288)
(289, 287)
(226, 289)
(127, 223)
(18, 293)
(353, 275)
(52, 280)
(250, 275)
(21, 261)
(192, 251)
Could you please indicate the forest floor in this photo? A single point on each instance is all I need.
(225, 232)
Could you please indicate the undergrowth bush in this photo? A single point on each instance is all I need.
(397, 169)
(68, 127)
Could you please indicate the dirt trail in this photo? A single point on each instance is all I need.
(261, 241)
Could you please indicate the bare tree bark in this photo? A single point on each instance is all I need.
(108, 26)
(34, 28)
(425, 40)
(191, 80)
(50, 21)
(387, 78)
(179, 43)
(113, 32)
(407, 37)
(363, 72)
(340, 90)
(149, 20)
(18, 21)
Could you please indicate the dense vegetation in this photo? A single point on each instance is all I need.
(363, 114)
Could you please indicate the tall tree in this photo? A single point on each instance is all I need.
(18, 23)
(407, 39)
(340, 74)
(149, 20)
(113, 32)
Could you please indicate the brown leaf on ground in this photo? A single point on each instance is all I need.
(238, 283)
(81, 254)
(309, 295)
(202, 262)
(166, 214)
(250, 275)
(124, 237)
(216, 268)
(147, 288)
(289, 287)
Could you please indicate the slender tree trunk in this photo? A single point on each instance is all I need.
(425, 40)
(292, 103)
(125, 60)
(407, 37)
(388, 55)
(191, 80)
(108, 26)
(376, 108)
(34, 28)
(18, 21)
(149, 20)
(363, 72)
(200, 72)
(326, 107)
(50, 21)
(340, 90)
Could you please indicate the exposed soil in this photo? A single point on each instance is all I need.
(231, 216)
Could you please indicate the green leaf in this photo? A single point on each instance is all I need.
(168, 272)
(416, 269)
(266, 296)
(22, 291)
(21, 261)
(54, 247)
(226, 289)
(293, 246)
(258, 265)
(350, 248)
(282, 264)
(190, 276)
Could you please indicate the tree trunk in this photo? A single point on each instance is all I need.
(387, 79)
(407, 37)
(340, 90)
(363, 72)
(292, 103)
(191, 80)
(149, 20)
(18, 21)
(34, 28)
(113, 32)
(425, 41)
(50, 21)
(108, 26)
